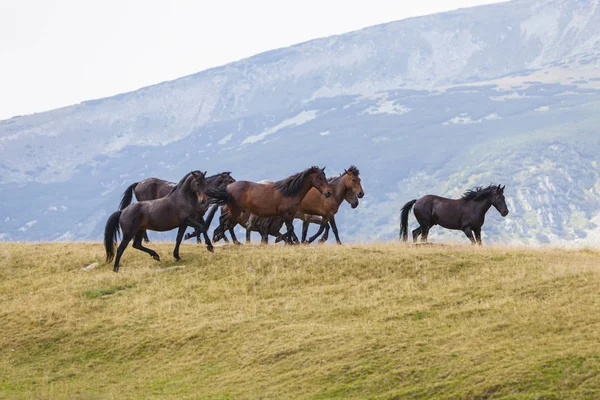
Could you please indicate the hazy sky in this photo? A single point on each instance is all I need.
(60, 52)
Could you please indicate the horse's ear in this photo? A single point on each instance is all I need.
(323, 169)
(345, 171)
(503, 188)
(204, 174)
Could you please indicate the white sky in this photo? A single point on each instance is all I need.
(55, 53)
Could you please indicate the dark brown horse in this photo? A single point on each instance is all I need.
(466, 214)
(314, 204)
(155, 188)
(281, 198)
(178, 209)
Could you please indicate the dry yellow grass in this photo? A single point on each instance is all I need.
(372, 321)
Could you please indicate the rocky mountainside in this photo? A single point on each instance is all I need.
(505, 93)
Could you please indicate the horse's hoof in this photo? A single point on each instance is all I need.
(156, 257)
(116, 270)
(339, 243)
(238, 243)
(211, 249)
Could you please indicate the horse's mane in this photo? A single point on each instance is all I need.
(182, 181)
(479, 192)
(291, 185)
(352, 170)
(212, 178)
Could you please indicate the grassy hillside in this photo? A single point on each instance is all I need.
(373, 321)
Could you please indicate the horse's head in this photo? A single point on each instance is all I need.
(319, 181)
(352, 198)
(197, 184)
(225, 179)
(499, 202)
(353, 183)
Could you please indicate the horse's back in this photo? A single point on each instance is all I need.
(153, 188)
(260, 199)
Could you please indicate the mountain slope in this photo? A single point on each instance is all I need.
(504, 93)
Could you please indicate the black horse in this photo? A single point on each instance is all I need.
(466, 214)
(178, 209)
(155, 188)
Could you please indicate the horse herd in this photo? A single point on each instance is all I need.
(265, 206)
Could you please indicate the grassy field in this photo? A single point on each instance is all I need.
(372, 321)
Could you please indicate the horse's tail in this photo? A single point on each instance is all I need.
(127, 196)
(404, 219)
(218, 196)
(111, 234)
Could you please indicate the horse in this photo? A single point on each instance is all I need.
(466, 214)
(351, 198)
(314, 204)
(253, 223)
(178, 209)
(155, 188)
(281, 198)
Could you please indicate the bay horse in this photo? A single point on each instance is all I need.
(155, 188)
(281, 198)
(253, 223)
(314, 204)
(466, 214)
(178, 209)
(352, 199)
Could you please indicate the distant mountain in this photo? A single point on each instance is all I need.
(506, 93)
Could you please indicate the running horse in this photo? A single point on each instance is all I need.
(348, 184)
(178, 209)
(466, 214)
(155, 188)
(252, 223)
(280, 198)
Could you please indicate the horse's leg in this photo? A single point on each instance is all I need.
(289, 223)
(477, 232)
(137, 244)
(146, 237)
(234, 217)
(424, 233)
(334, 229)
(209, 245)
(415, 233)
(233, 237)
(180, 233)
(200, 227)
(223, 236)
(211, 214)
(469, 234)
(265, 234)
(325, 235)
(248, 232)
(305, 225)
(324, 222)
(126, 239)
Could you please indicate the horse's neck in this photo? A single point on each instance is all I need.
(306, 186)
(186, 190)
(340, 191)
(483, 205)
